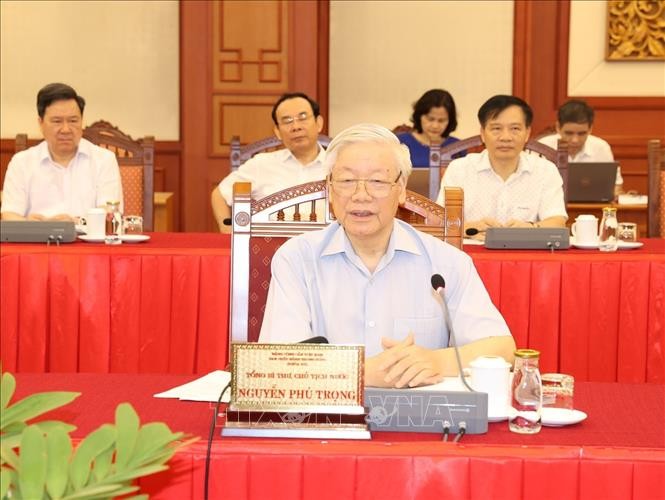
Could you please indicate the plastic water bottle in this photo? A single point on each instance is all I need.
(607, 235)
(113, 223)
(526, 393)
(618, 185)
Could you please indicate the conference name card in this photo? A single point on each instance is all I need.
(314, 378)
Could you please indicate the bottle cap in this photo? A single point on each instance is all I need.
(527, 353)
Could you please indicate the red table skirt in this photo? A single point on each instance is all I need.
(134, 309)
(162, 307)
(281, 471)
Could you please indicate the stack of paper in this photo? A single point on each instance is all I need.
(206, 388)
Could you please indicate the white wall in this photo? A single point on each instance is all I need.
(121, 56)
(588, 72)
(385, 54)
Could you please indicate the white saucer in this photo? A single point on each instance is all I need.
(629, 245)
(622, 245)
(558, 417)
(499, 417)
(134, 238)
(92, 239)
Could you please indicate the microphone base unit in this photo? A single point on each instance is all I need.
(23, 231)
(527, 238)
(416, 410)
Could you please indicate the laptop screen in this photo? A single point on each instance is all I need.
(591, 182)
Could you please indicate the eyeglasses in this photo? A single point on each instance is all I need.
(374, 187)
(300, 117)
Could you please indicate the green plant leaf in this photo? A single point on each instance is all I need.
(7, 388)
(102, 465)
(129, 474)
(34, 405)
(8, 455)
(95, 443)
(127, 426)
(152, 437)
(59, 449)
(5, 482)
(32, 463)
(138, 497)
(101, 491)
(13, 429)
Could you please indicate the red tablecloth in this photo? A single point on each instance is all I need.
(618, 452)
(598, 316)
(162, 306)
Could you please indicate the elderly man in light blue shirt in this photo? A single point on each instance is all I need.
(366, 278)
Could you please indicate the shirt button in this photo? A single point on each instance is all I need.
(371, 324)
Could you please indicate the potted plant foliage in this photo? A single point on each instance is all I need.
(40, 461)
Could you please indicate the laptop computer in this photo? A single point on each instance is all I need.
(419, 181)
(591, 182)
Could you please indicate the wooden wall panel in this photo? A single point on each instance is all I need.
(236, 59)
(540, 76)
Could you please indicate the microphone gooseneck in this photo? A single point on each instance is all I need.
(439, 285)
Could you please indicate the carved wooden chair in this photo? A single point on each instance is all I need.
(240, 154)
(136, 162)
(656, 207)
(440, 158)
(260, 227)
(135, 159)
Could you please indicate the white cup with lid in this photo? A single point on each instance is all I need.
(491, 374)
(585, 229)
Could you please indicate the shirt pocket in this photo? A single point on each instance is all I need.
(428, 332)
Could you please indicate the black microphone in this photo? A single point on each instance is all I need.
(439, 285)
(472, 231)
(227, 221)
(315, 340)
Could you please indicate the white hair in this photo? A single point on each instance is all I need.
(369, 132)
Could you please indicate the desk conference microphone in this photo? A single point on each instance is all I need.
(472, 231)
(439, 285)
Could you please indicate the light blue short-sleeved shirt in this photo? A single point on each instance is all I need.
(321, 287)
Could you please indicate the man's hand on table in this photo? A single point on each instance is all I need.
(402, 364)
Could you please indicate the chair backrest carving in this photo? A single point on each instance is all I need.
(260, 227)
(136, 162)
(656, 207)
(240, 154)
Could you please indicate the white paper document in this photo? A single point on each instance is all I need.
(206, 388)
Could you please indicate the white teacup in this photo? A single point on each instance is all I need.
(585, 229)
(491, 374)
(95, 222)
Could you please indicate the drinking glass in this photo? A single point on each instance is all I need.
(132, 224)
(627, 231)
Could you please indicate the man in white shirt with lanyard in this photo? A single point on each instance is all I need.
(366, 278)
(504, 186)
(64, 175)
(574, 123)
(297, 123)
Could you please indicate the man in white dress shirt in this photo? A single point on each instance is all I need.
(574, 123)
(503, 185)
(366, 278)
(297, 123)
(64, 175)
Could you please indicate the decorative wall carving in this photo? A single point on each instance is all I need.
(635, 30)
